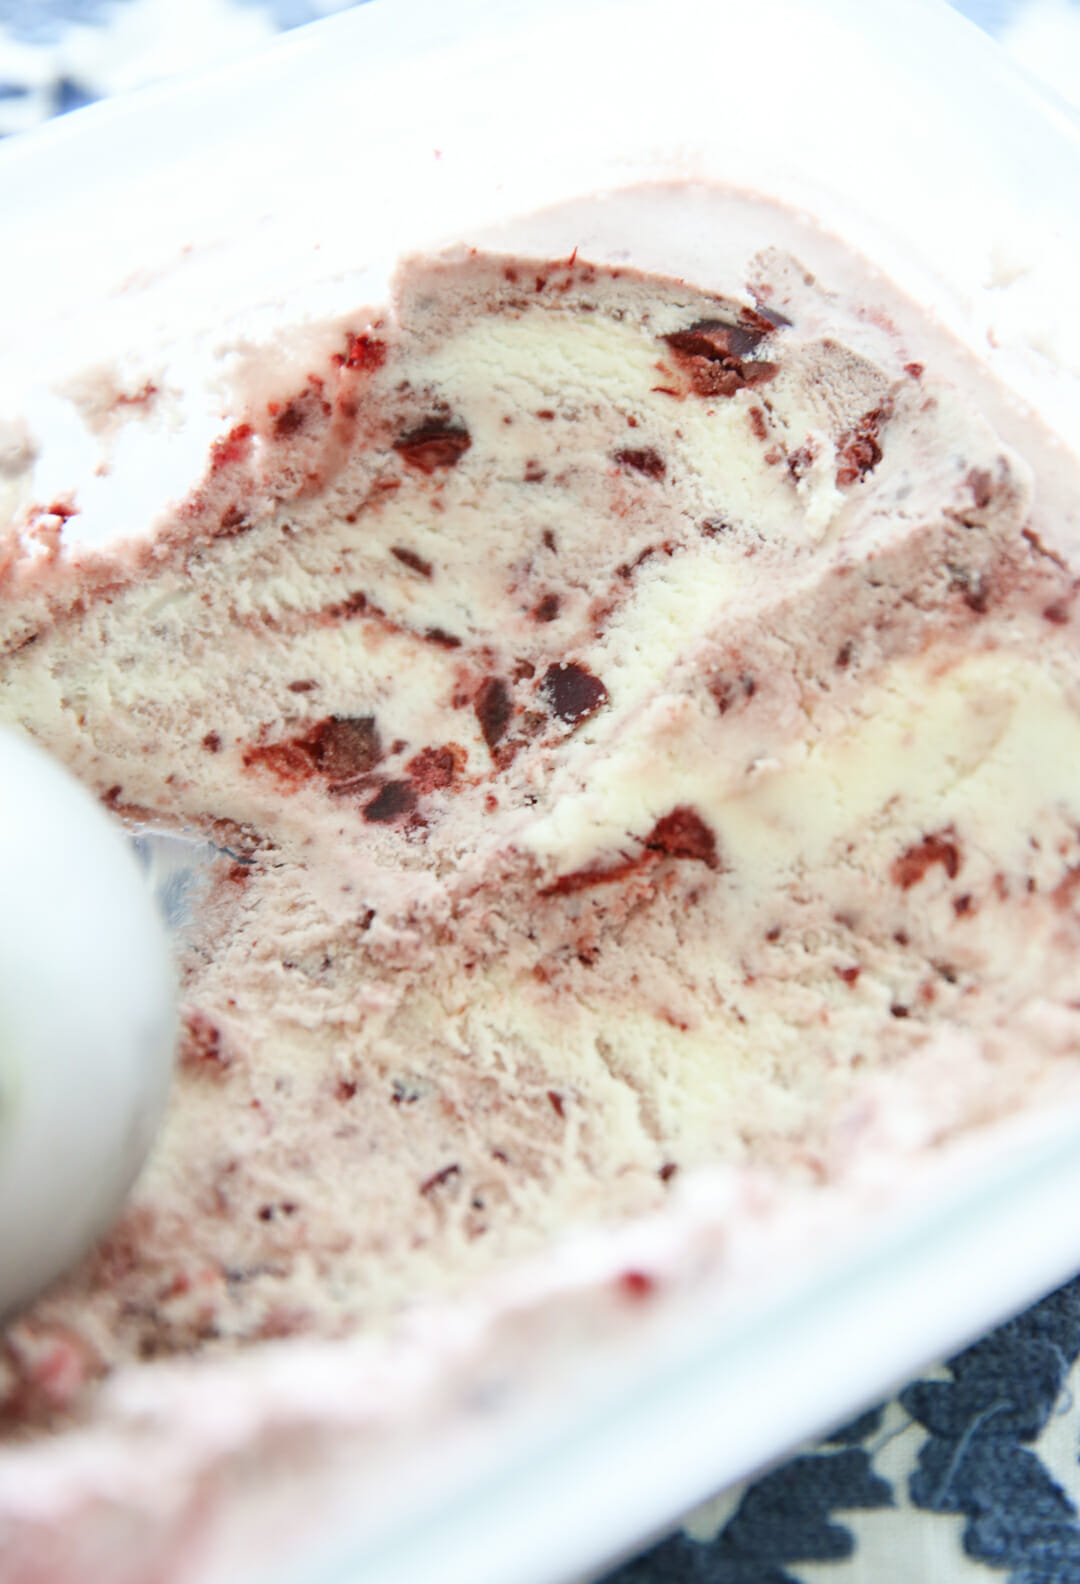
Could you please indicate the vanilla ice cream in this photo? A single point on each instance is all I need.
(633, 719)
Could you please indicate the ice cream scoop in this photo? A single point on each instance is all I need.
(87, 1020)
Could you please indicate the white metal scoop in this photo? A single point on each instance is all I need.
(87, 1020)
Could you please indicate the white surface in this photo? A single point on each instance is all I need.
(87, 1020)
(301, 176)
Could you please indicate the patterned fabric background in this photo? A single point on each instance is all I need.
(972, 1473)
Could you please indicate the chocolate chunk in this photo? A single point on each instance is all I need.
(392, 799)
(212, 742)
(646, 461)
(912, 865)
(409, 558)
(494, 708)
(571, 692)
(859, 450)
(711, 338)
(354, 604)
(684, 834)
(339, 748)
(766, 319)
(861, 454)
(304, 685)
(547, 609)
(434, 444)
(715, 355)
(444, 640)
(343, 746)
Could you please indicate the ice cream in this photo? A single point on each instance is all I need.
(634, 719)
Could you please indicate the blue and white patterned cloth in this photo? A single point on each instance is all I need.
(969, 1475)
(972, 1473)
